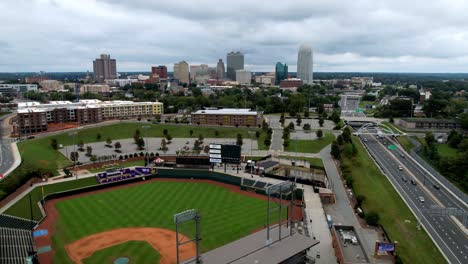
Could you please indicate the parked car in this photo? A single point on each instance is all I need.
(31, 137)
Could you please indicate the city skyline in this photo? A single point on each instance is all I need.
(384, 36)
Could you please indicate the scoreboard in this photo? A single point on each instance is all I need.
(220, 153)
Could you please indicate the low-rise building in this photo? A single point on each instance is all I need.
(34, 117)
(429, 123)
(51, 85)
(267, 79)
(228, 117)
(12, 89)
(291, 83)
(94, 88)
(243, 77)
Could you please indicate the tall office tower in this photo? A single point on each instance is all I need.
(181, 72)
(234, 61)
(160, 70)
(220, 70)
(304, 64)
(281, 72)
(104, 68)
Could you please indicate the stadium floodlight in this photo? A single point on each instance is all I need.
(185, 216)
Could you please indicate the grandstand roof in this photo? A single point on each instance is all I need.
(252, 248)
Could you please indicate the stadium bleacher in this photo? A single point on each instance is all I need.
(9, 221)
(15, 245)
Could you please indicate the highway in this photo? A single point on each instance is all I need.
(449, 237)
(6, 154)
(349, 104)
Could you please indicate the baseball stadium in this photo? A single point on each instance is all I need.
(143, 215)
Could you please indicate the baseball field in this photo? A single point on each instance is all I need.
(132, 221)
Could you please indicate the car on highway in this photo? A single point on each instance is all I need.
(402, 155)
(436, 186)
(400, 168)
(413, 182)
(365, 139)
(421, 199)
(403, 178)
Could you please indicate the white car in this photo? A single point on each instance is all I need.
(400, 168)
(421, 199)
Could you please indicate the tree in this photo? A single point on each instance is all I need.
(372, 218)
(282, 119)
(163, 145)
(80, 145)
(137, 133)
(98, 136)
(360, 199)
(239, 140)
(321, 121)
(267, 142)
(306, 113)
(206, 149)
(454, 139)
(140, 143)
(117, 146)
(200, 137)
(89, 151)
(306, 127)
(93, 158)
(298, 120)
(339, 140)
(335, 117)
(168, 137)
(257, 134)
(319, 133)
(429, 138)
(216, 133)
(54, 144)
(391, 120)
(74, 156)
(196, 145)
(191, 132)
(165, 131)
(109, 141)
(291, 126)
(346, 135)
(335, 150)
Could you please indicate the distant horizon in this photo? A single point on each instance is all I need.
(318, 72)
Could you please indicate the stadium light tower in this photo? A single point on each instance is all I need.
(145, 128)
(183, 217)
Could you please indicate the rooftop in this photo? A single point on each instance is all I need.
(431, 120)
(227, 111)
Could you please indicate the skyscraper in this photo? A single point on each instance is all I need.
(304, 64)
(220, 70)
(160, 70)
(281, 72)
(243, 77)
(181, 72)
(104, 68)
(234, 61)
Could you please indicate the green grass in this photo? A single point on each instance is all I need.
(4, 113)
(406, 143)
(136, 251)
(414, 246)
(393, 127)
(315, 162)
(446, 151)
(310, 146)
(22, 208)
(38, 153)
(227, 216)
(123, 165)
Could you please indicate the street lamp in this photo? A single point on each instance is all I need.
(251, 133)
(74, 157)
(145, 128)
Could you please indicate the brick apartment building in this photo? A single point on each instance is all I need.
(35, 117)
(228, 117)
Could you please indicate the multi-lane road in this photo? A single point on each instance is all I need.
(449, 236)
(6, 153)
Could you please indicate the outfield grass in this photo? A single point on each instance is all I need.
(22, 208)
(414, 246)
(226, 215)
(136, 251)
(310, 146)
(315, 162)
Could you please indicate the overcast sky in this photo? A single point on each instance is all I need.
(358, 35)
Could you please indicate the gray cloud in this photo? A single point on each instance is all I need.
(361, 35)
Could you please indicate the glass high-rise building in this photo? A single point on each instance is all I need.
(234, 61)
(281, 72)
(304, 64)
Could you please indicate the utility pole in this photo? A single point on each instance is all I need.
(146, 145)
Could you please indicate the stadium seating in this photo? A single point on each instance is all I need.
(15, 244)
(16, 222)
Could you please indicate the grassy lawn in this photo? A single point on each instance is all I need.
(136, 251)
(51, 159)
(393, 127)
(310, 146)
(22, 208)
(227, 216)
(414, 246)
(122, 165)
(446, 151)
(4, 113)
(315, 162)
(406, 143)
